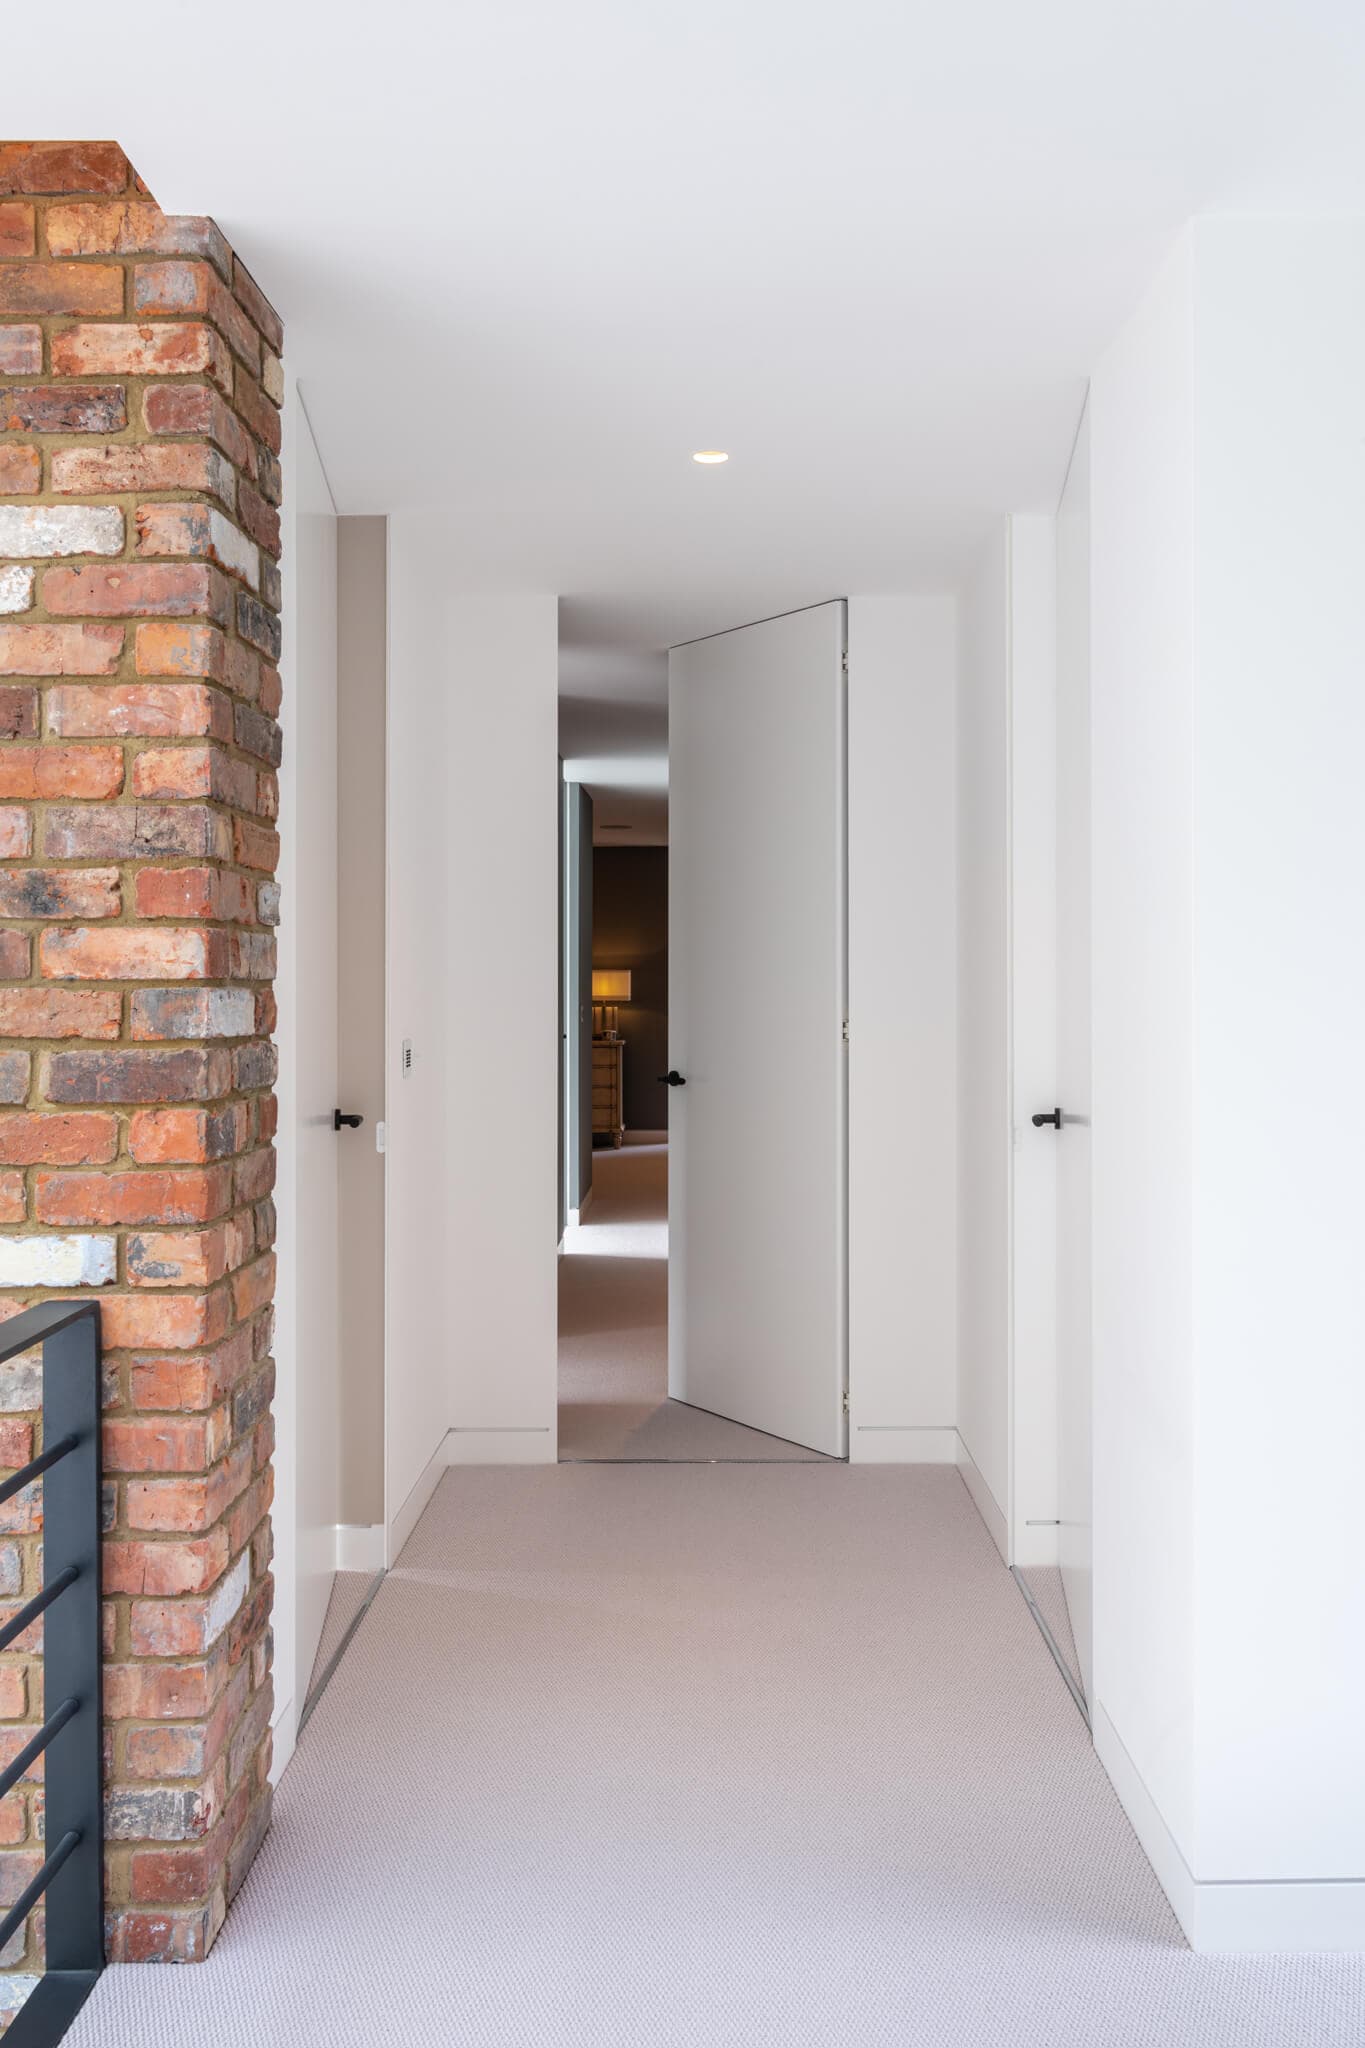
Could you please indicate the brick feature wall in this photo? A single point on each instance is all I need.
(140, 386)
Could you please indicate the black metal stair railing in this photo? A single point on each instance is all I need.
(72, 1874)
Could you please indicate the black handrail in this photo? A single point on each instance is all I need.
(72, 1877)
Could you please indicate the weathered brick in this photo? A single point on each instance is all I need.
(192, 1013)
(250, 295)
(147, 831)
(64, 409)
(163, 348)
(21, 474)
(16, 595)
(18, 710)
(162, 954)
(59, 892)
(66, 1261)
(39, 288)
(195, 893)
(200, 531)
(43, 167)
(31, 530)
(193, 287)
(165, 1568)
(138, 710)
(14, 1076)
(171, 1136)
(15, 955)
(18, 230)
(199, 409)
(257, 846)
(16, 833)
(88, 1138)
(40, 772)
(21, 351)
(146, 1074)
(42, 650)
(132, 227)
(13, 1198)
(138, 589)
(180, 649)
(255, 408)
(256, 734)
(191, 771)
(174, 1322)
(171, 466)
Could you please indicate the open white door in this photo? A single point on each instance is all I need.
(1073, 1046)
(311, 934)
(757, 992)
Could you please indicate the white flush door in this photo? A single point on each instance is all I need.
(1073, 1046)
(757, 992)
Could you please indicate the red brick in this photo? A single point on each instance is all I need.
(14, 1076)
(37, 772)
(128, 589)
(59, 892)
(156, 1692)
(194, 1195)
(17, 230)
(18, 712)
(194, 771)
(258, 519)
(39, 650)
(255, 408)
(14, 1707)
(251, 296)
(83, 1139)
(46, 288)
(168, 1444)
(257, 846)
(173, 466)
(12, 1198)
(165, 1568)
(16, 1442)
(198, 409)
(129, 954)
(137, 710)
(190, 287)
(133, 227)
(160, 1937)
(21, 351)
(171, 1322)
(15, 955)
(195, 893)
(180, 650)
(64, 409)
(152, 349)
(169, 1136)
(59, 1013)
(254, 1287)
(21, 471)
(43, 167)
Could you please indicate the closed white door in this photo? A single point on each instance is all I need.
(757, 995)
(1073, 1046)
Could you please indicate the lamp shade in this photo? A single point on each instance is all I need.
(611, 984)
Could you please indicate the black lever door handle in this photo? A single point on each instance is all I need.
(1048, 1116)
(341, 1117)
(673, 1078)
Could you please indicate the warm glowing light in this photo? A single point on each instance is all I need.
(710, 455)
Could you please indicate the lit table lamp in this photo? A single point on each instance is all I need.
(610, 986)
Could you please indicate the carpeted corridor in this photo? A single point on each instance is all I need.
(613, 1330)
(688, 1755)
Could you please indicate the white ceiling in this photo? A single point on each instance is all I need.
(532, 255)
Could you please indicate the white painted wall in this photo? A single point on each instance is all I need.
(903, 1036)
(983, 1097)
(307, 1399)
(1229, 1116)
(472, 936)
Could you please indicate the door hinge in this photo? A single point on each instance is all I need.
(845, 1400)
(845, 1031)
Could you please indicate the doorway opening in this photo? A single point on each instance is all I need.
(648, 1371)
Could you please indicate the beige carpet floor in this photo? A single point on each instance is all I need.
(348, 1597)
(613, 1330)
(695, 1756)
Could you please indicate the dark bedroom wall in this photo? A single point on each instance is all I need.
(630, 929)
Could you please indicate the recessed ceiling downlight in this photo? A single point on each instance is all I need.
(711, 455)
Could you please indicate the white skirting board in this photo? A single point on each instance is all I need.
(579, 1215)
(875, 1444)
(360, 1546)
(1243, 1917)
(987, 1506)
